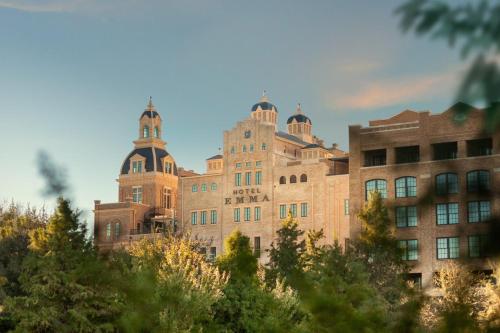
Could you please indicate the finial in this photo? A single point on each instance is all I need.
(150, 106)
(264, 97)
(299, 109)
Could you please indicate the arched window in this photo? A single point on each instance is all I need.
(117, 230)
(406, 187)
(108, 231)
(478, 181)
(194, 188)
(303, 178)
(282, 180)
(379, 185)
(214, 187)
(156, 132)
(145, 132)
(203, 187)
(446, 183)
(293, 179)
(167, 198)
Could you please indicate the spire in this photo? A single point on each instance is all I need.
(299, 109)
(264, 97)
(150, 106)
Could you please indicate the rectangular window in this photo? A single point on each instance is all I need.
(194, 218)
(375, 157)
(282, 211)
(258, 178)
(303, 209)
(213, 253)
(236, 215)
(238, 165)
(256, 214)
(237, 179)
(407, 154)
(247, 214)
(244, 149)
(444, 151)
(478, 211)
(258, 164)
(346, 206)
(263, 147)
(477, 246)
(248, 164)
(448, 247)
(481, 147)
(108, 231)
(213, 216)
(251, 147)
(232, 150)
(137, 194)
(410, 249)
(406, 216)
(203, 217)
(248, 178)
(293, 210)
(137, 167)
(256, 246)
(447, 213)
(194, 188)
(168, 167)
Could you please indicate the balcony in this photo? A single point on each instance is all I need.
(445, 151)
(409, 154)
(481, 147)
(375, 157)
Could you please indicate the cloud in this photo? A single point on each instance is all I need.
(389, 92)
(43, 6)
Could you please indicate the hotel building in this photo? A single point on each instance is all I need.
(262, 175)
(435, 173)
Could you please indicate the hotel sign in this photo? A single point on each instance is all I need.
(247, 195)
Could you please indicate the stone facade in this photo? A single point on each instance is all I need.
(260, 177)
(424, 145)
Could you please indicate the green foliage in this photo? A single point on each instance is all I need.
(172, 287)
(378, 248)
(238, 260)
(62, 281)
(338, 296)
(246, 306)
(476, 27)
(285, 257)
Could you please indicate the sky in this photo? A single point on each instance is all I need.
(75, 75)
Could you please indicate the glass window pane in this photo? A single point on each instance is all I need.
(452, 183)
(401, 217)
(441, 214)
(474, 247)
(401, 188)
(412, 249)
(454, 248)
(412, 216)
(453, 213)
(484, 210)
(472, 212)
(442, 248)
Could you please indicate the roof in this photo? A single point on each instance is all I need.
(291, 138)
(215, 157)
(300, 118)
(312, 145)
(148, 154)
(264, 106)
(148, 113)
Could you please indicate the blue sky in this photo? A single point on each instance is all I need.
(75, 75)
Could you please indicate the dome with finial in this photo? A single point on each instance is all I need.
(299, 117)
(264, 104)
(150, 110)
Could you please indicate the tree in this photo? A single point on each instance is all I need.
(378, 248)
(171, 287)
(246, 306)
(62, 281)
(16, 223)
(285, 257)
(461, 302)
(338, 296)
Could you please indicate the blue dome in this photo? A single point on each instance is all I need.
(148, 114)
(265, 106)
(300, 118)
(149, 155)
